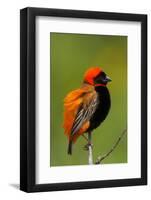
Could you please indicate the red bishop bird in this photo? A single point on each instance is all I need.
(87, 107)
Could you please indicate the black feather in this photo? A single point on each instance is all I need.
(70, 148)
(102, 108)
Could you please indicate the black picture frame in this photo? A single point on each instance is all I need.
(28, 99)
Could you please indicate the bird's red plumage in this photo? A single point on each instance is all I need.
(91, 73)
(72, 102)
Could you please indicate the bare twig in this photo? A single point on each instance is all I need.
(85, 137)
(101, 158)
(90, 155)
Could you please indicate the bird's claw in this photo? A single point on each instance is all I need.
(86, 147)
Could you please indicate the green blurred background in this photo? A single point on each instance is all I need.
(70, 56)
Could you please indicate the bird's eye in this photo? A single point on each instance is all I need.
(100, 78)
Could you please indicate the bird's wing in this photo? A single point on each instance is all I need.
(86, 111)
(75, 105)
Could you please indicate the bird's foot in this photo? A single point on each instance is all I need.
(86, 147)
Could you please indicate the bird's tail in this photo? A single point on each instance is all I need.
(70, 148)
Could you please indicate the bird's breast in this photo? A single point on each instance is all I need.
(103, 107)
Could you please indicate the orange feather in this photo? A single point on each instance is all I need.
(72, 103)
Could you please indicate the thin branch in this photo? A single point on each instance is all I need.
(101, 158)
(85, 137)
(90, 155)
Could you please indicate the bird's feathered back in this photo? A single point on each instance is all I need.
(79, 106)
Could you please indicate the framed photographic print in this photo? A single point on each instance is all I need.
(83, 99)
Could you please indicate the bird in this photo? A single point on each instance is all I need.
(87, 107)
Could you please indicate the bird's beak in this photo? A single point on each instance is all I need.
(108, 79)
